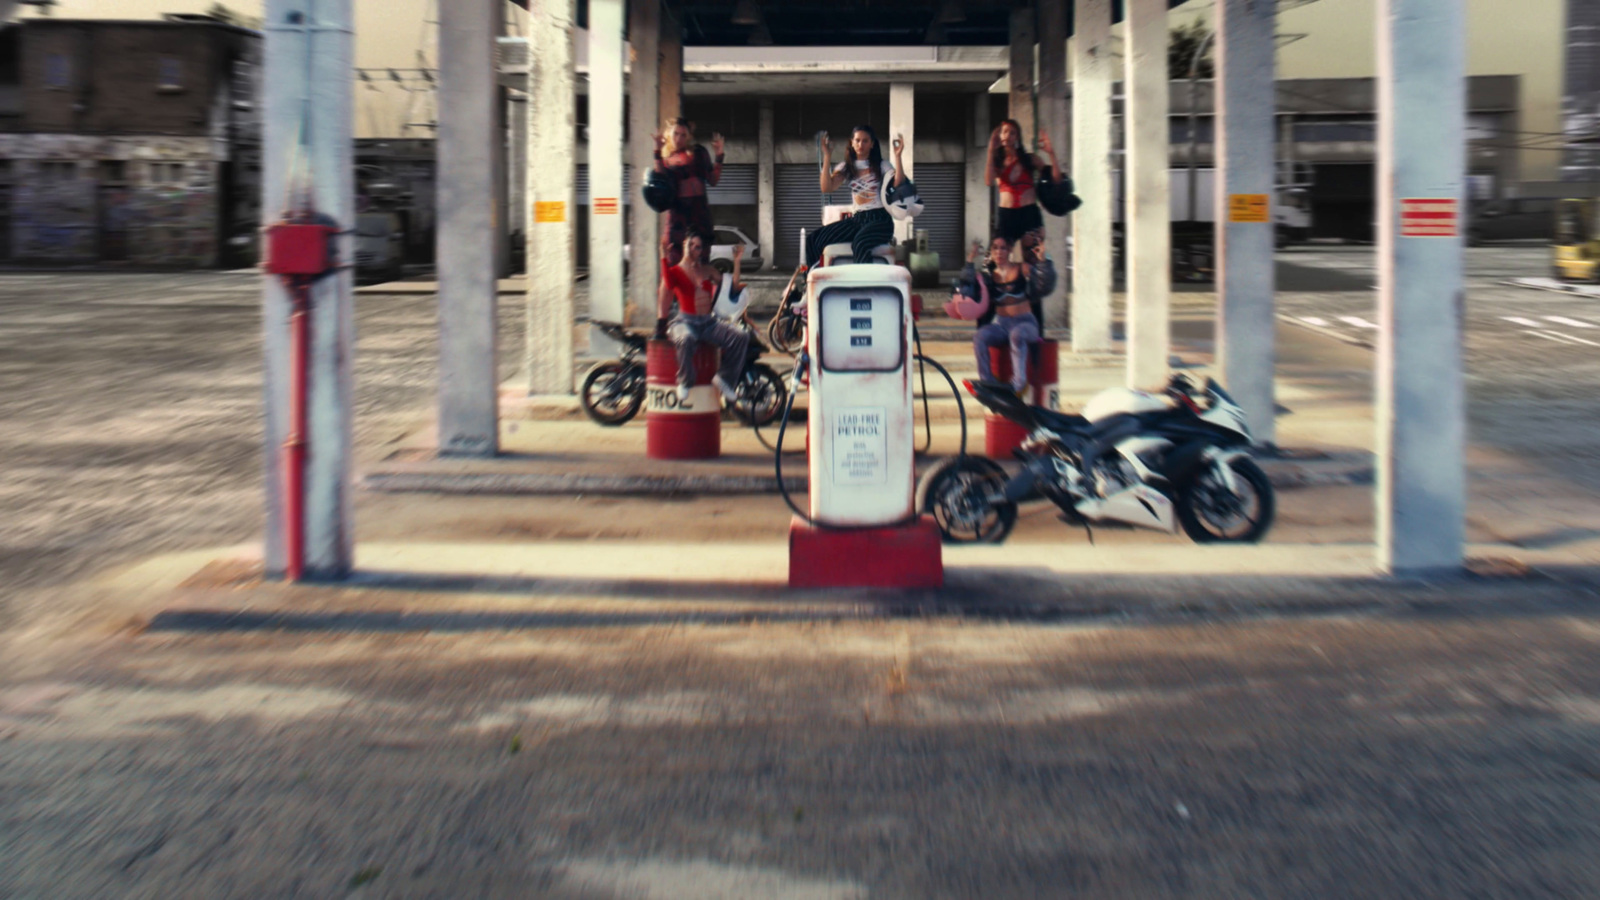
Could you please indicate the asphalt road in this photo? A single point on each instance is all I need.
(132, 411)
(1532, 356)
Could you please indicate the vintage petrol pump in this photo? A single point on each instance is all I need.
(863, 529)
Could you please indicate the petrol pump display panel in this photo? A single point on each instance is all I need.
(862, 329)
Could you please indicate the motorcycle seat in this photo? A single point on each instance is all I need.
(1060, 421)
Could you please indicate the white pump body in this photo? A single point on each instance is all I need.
(860, 417)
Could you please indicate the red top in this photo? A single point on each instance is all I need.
(1015, 179)
(679, 282)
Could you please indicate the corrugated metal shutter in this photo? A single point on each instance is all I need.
(943, 191)
(736, 188)
(799, 206)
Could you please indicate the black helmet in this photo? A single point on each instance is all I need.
(659, 189)
(901, 200)
(1055, 195)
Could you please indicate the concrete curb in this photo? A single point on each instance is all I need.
(1284, 474)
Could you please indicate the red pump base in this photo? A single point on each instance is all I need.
(909, 556)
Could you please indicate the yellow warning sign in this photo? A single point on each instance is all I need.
(1249, 208)
(550, 211)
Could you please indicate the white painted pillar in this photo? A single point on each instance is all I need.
(467, 239)
(1021, 70)
(766, 187)
(552, 142)
(1093, 72)
(1245, 179)
(1148, 217)
(902, 122)
(1421, 492)
(1051, 110)
(605, 171)
(644, 85)
(977, 197)
(309, 52)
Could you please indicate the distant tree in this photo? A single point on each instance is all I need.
(223, 13)
(1181, 47)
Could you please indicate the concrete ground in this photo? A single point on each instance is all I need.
(605, 697)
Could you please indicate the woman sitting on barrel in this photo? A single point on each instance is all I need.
(1004, 298)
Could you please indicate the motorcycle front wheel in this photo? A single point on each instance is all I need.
(613, 392)
(1212, 514)
(761, 396)
(959, 493)
(786, 332)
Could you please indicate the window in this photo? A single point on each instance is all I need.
(113, 171)
(167, 173)
(57, 71)
(5, 171)
(57, 172)
(170, 76)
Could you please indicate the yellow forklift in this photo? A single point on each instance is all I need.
(1576, 251)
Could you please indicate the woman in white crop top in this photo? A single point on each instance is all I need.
(869, 225)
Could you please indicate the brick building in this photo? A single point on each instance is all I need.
(132, 142)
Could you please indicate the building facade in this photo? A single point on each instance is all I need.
(129, 142)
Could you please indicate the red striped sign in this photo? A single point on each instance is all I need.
(605, 206)
(1429, 217)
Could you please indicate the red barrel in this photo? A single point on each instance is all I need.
(1001, 435)
(674, 430)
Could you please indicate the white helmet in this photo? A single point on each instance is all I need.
(901, 200)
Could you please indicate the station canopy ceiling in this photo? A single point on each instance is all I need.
(821, 23)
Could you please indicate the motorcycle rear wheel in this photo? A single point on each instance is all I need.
(957, 493)
(1211, 514)
(761, 396)
(613, 392)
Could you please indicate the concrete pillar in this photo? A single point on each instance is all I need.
(766, 188)
(977, 193)
(1021, 70)
(1148, 211)
(1421, 496)
(644, 101)
(671, 96)
(552, 139)
(1093, 72)
(517, 163)
(467, 239)
(309, 52)
(1244, 142)
(605, 171)
(902, 122)
(1051, 111)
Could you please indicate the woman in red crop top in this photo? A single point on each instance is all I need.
(693, 285)
(1013, 170)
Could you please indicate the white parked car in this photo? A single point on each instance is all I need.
(723, 239)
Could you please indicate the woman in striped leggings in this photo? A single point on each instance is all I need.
(869, 225)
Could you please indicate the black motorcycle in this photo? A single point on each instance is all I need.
(613, 391)
(1159, 460)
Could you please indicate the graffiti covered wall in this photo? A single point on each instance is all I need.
(140, 200)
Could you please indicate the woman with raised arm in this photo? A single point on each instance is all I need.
(1014, 171)
(694, 170)
(1014, 291)
(869, 225)
(693, 284)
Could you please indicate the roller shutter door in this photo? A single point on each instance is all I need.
(799, 206)
(943, 191)
(736, 188)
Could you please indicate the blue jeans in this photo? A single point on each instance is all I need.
(1019, 332)
(689, 332)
